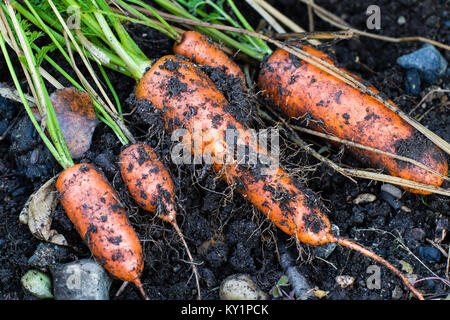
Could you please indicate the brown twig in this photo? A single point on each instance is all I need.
(339, 23)
(361, 146)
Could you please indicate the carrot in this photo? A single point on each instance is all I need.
(299, 89)
(188, 99)
(199, 49)
(88, 199)
(94, 208)
(152, 188)
(198, 104)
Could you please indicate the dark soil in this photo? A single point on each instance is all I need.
(225, 233)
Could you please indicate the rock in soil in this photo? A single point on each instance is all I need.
(392, 190)
(325, 250)
(427, 61)
(429, 254)
(38, 284)
(298, 281)
(81, 280)
(241, 287)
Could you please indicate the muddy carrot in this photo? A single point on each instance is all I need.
(94, 208)
(198, 104)
(188, 100)
(152, 188)
(300, 90)
(88, 199)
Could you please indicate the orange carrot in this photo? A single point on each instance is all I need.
(299, 89)
(94, 208)
(198, 104)
(201, 50)
(152, 188)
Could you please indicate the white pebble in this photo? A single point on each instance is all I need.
(394, 191)
(240, 287)
(364, 198)
(344, 281)
(401, 20)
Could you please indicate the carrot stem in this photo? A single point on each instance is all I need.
(216, 34)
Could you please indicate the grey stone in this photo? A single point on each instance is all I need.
(325, 250)
(428, 61)
(81, 280)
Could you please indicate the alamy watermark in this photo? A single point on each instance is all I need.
(374, 280)
(374, 17)
(232, 146)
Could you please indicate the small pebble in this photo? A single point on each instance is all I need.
(358, 218)
(442, 225)
(417, 234)
(432, 21)
(320, 293)
(429, 254)
(209, 277)
(344, 281)
(394, 203)
(405, 208)
(401, 20)
(240, 287)
(411, 277)
(430, 284)
(364, 198)
(394, 191)
(428, 61)
(38, 284)
(397, 293)
(325, 250)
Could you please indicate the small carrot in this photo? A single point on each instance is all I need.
(300, 89)
(152, 188)
(201, 50)
(197, 103)
(94, 208)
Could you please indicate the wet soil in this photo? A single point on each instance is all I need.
(225, 233)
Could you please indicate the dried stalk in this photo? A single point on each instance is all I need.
(350, 172)
(361, 146)
(285, 20)
(339, 23)
(270, 20)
